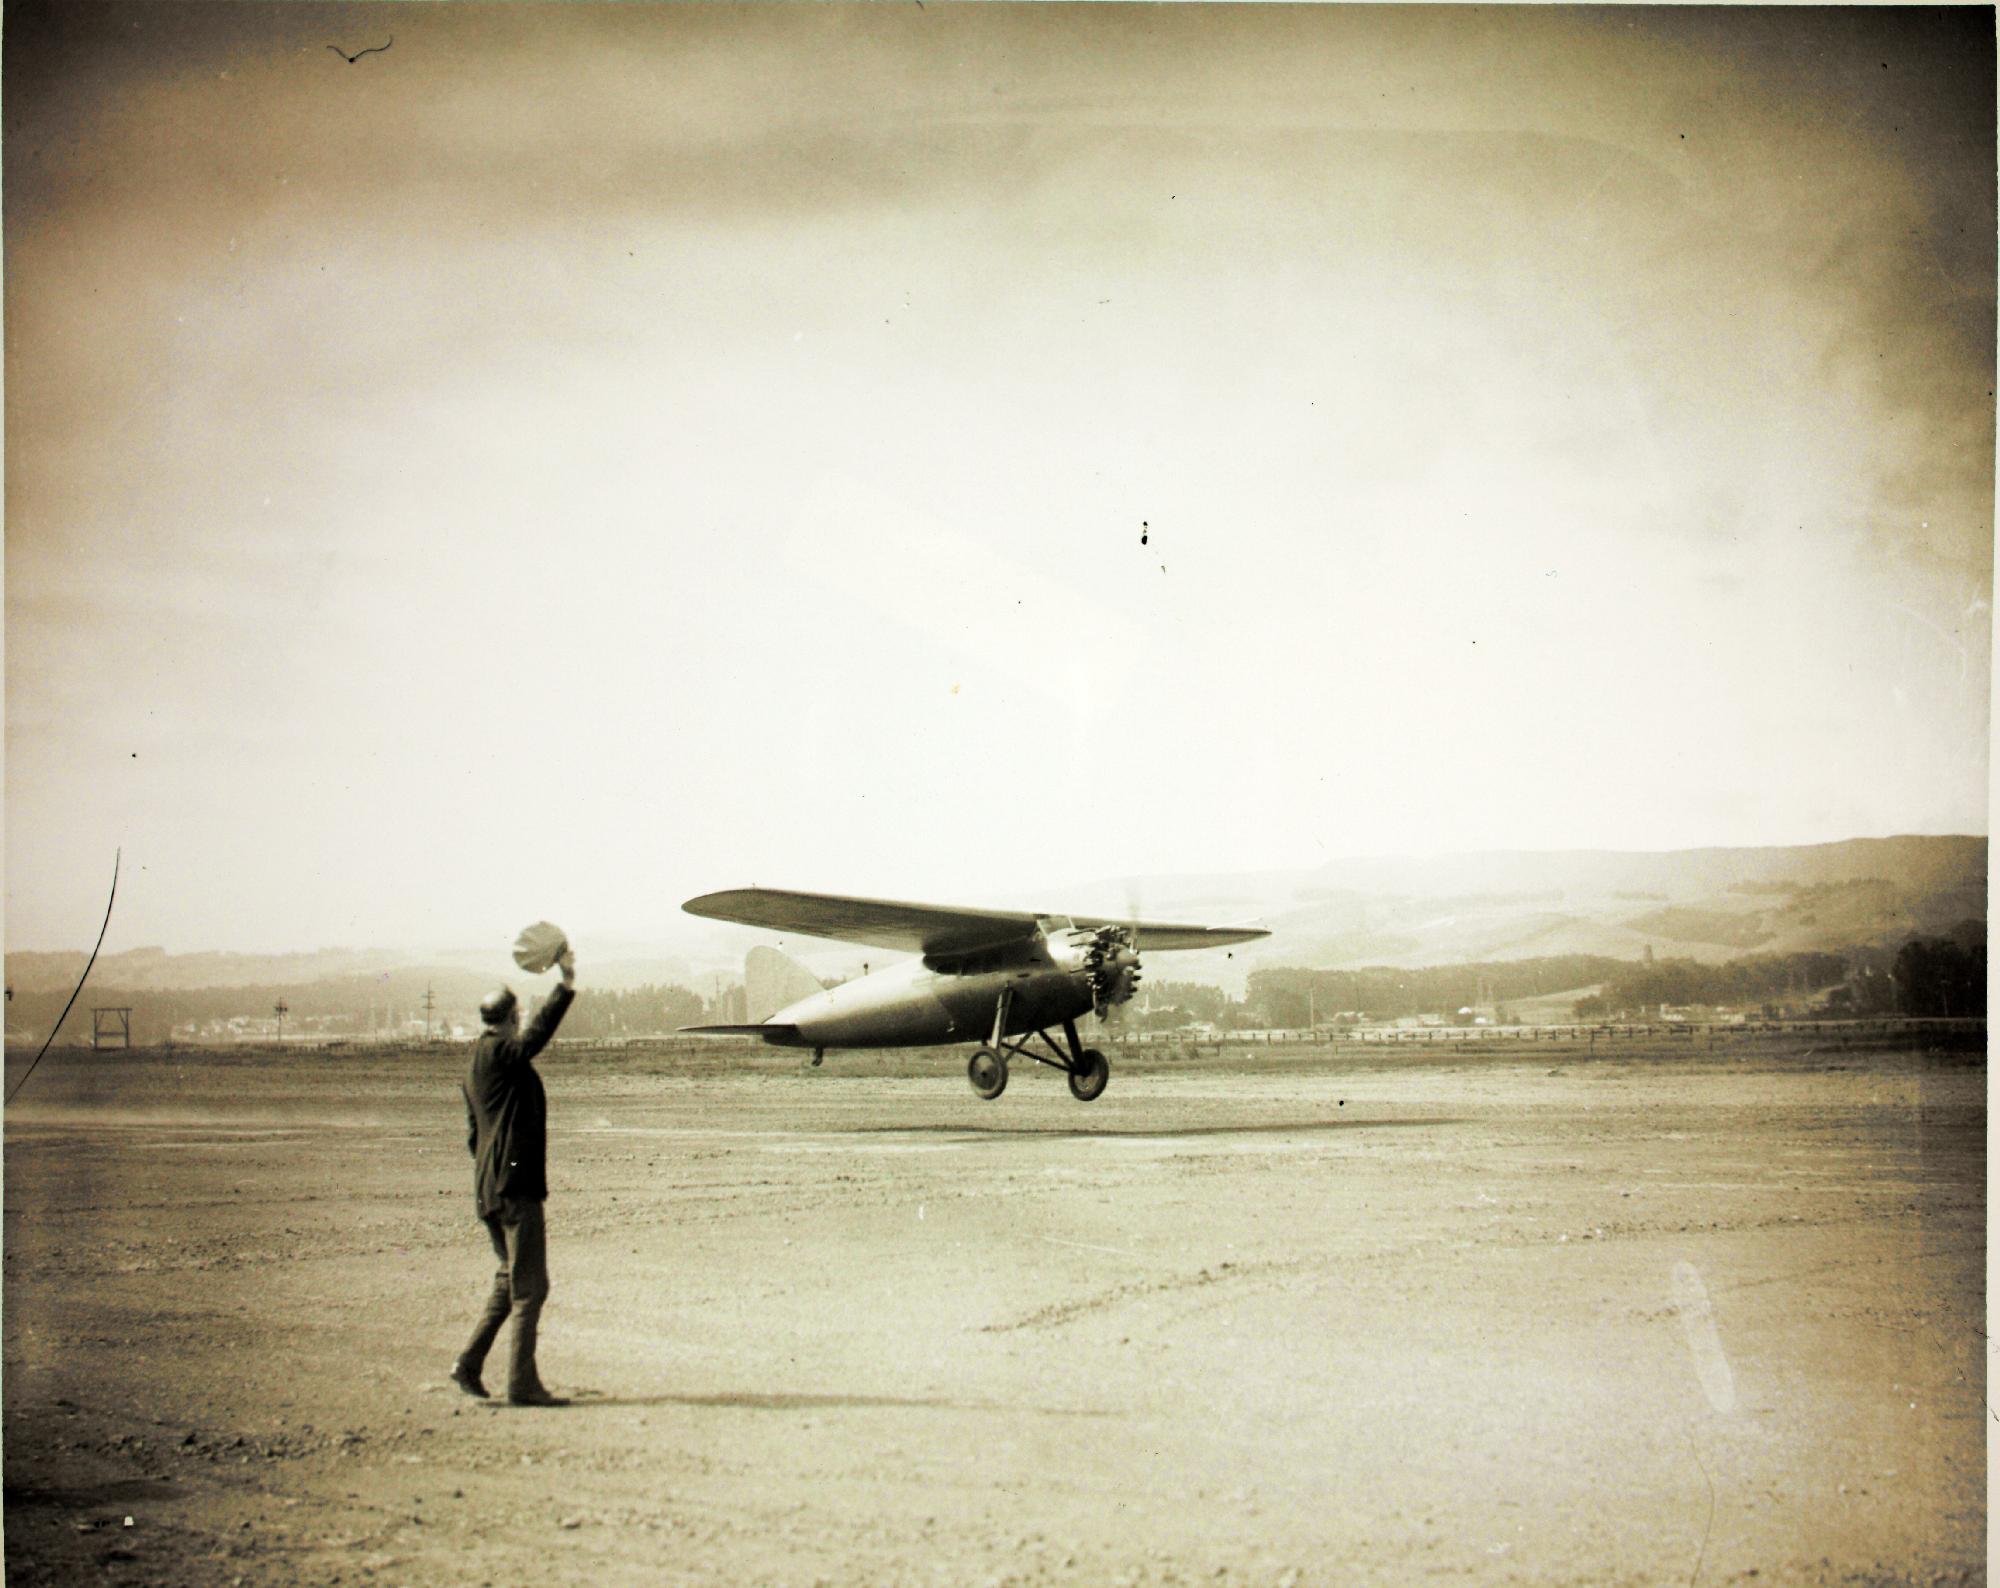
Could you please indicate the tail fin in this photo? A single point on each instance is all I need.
(771, 982)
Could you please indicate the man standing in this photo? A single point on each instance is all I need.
(506, 1118)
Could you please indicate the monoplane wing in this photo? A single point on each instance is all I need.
(1160, 937)
(881, 923)
(929, 929)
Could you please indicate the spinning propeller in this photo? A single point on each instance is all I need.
(1112, 961)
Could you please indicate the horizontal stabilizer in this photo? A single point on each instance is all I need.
(783, 1036)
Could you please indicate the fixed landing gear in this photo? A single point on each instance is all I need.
(987, 1071)
(1088, 1080)
(1088, 1071)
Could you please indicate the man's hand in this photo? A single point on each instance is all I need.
(568, 966)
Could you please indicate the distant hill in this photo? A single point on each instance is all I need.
(396, 1004)
(1702, 904)
(155, 970)
(1920, 864)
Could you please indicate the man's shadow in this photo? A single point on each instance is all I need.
(1291, 1127)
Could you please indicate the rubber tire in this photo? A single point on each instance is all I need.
(987, 1071)
(1087, 1084)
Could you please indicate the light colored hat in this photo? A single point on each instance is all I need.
(539, 947)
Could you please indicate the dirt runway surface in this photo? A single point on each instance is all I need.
(1536, 1319)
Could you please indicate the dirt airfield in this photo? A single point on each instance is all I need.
(1365, 1317)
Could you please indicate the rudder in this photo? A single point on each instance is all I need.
(772, 980)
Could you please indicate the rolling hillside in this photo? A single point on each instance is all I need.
(1702, 904)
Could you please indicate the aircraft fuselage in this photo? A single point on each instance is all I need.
(918, 1003)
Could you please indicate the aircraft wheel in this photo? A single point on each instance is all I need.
(1088, 1083)
(987, 1071)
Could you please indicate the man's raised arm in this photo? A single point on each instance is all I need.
(550, 1015)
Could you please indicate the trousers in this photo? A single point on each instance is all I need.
(521, 1285)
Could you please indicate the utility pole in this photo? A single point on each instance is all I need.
(281, 1011)
(430, 1002)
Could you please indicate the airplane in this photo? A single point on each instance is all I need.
(980, 975)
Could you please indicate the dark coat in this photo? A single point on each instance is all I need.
(506, 1113)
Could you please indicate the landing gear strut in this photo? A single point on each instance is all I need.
(1087, 1069)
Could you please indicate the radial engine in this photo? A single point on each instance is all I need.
(1107, 957)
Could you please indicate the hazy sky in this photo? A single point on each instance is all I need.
(578, 457)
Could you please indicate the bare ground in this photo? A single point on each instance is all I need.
(1714, 1319)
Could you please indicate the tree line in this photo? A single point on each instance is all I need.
(1290, 997)
(1940, 976)
(1924, 976)
(349, 1007)
(1755, 979)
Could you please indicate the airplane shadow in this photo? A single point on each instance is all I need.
(1295, 1127)
(83, 1498)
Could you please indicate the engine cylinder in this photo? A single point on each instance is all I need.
(1112, 964)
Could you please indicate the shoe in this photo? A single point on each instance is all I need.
(467, 1379)
(538, 1396)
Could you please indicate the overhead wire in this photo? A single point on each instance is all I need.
(23, 1081)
